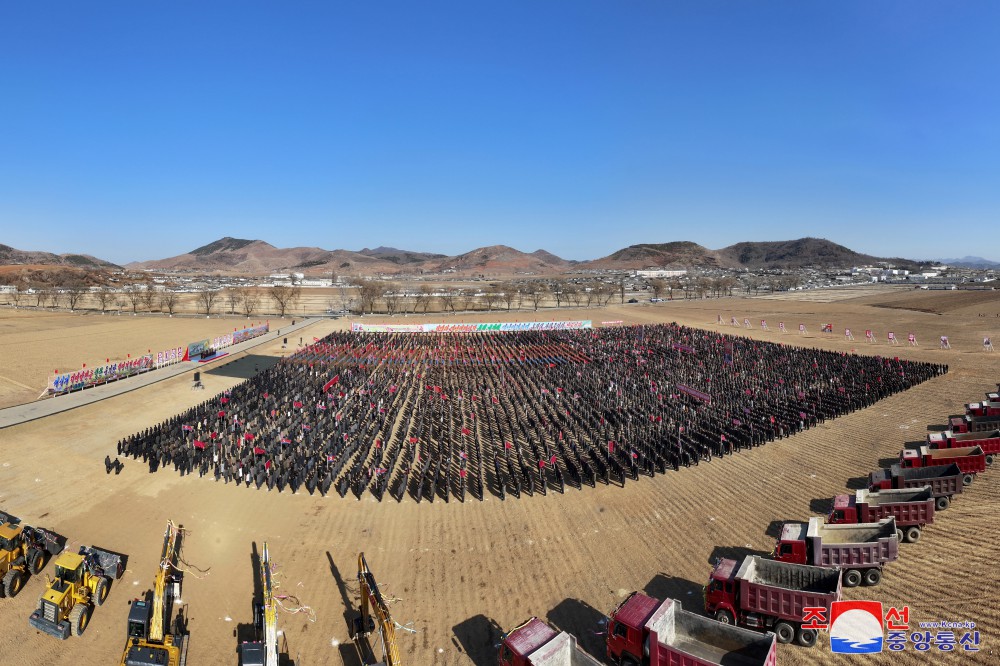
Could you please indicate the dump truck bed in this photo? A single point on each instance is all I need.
(783, 590)
(852, 545)
(686, 639)
(561, 651)
(909, 506)
(944, 480)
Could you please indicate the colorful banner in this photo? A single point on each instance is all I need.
(108, 372)
(495, 327)
(197, 348)
(169, 357)
(249, 333)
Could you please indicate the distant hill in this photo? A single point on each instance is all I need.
(256, 257)
(970, 262)
(678, 254)
(801, 253)
(501, 259)
(11, 257)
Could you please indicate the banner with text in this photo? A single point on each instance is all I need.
(492, 327)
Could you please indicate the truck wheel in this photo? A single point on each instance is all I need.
(13, 581)
(942, 503)
(725, 617)
(989, 459)
(967, 480)
(806, 637)
(37, 560)
(785, 632)
(79, 618)
(899, 535)
(101, 591)
(852, 578)
(873, 577)
(912, 534)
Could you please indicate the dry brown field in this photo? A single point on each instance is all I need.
(459, 573)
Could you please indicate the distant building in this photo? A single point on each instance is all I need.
(7, 289)
(661, 273)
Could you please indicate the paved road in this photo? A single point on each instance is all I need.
(41, 408)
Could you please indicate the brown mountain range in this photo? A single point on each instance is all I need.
(13, 257)
(235, 255)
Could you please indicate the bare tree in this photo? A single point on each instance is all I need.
(207, 299)
(234, 296)
(537, 294)
(509, 294)
(590, 294)
(572, 294)
(559, 291)
(41, 297)
(284, 296)
(369, 292)
(463, 300)
(134, 295)
(73, 295)
(657, 286)
(121, 302)
(621, 288)
(392, 297)
(249, 299)
(448, 299)
(169, 300)
(492, 298)
(424, 297)
(103, 296)
(18, 297)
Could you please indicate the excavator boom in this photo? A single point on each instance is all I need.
(375, 614)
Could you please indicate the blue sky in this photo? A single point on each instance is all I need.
(139, 130)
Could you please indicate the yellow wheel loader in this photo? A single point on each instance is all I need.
(24, 551)
(82, 582)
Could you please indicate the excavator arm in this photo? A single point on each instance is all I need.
(168, 563)
(375, 613)
(270, 611)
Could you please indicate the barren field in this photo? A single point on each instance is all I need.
(457, 573)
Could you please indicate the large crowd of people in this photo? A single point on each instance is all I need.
(450, 415)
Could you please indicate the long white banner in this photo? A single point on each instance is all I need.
(485, 327)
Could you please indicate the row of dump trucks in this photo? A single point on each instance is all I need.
(754, 604)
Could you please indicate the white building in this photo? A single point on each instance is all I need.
(661, 273)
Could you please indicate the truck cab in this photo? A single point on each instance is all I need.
(518, 645)
(627, 633)
(792, 546)
(845, 510)
(722, 591)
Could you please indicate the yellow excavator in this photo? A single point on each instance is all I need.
(148, 642)
(264, 650)
(374, 619)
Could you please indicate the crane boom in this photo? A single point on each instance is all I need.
(270, 612)
(372, 604)
(168, 561)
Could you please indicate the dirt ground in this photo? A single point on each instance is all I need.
(458, 574)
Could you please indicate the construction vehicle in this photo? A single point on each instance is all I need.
(969, 423)
(770, 595)
(989, 441)
(148, 643)
(82, 582)
(911, 507)
(970, 459)
(861, 550)
(985, 408)
(374, 619)
(263, 651)
(535, 643)
(24, 551)
(944, 481)
(644, 631)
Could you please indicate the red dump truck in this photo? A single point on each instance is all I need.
(644, 631)
(861, 550)
(912, 508)
(985, 408)
(535, 643)
(974, 423)
(945, 481)
(988, 441)
(766, 594)
(970, 459)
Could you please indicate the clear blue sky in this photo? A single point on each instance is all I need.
(137, 130)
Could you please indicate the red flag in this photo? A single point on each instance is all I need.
(508, 445)
(611, 447)
(330, 383)
(199, 444)
(213, 435)
(223, 400)
(259, 451)
(221, 414)
(465, 431)
(378, 443)
(413, 440)
(552, 460)
(296, 404)
(249, 436)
